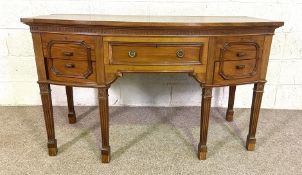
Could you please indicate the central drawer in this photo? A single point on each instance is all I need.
(155, 51)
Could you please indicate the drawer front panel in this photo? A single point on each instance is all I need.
(149, 51)
(239, 51)
(236, 71)
(239, 48)
(74, 47)
(69, 50)
(156, 53)
(76, 71)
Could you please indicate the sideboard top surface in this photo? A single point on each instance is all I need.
(151, 21)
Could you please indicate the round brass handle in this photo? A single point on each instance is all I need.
(132, 53)
(180, 53)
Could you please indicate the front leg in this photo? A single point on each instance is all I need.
(204, 122)
(71, 113)
(48, 117)
(104, 120)
(230, 110)
(255, 109)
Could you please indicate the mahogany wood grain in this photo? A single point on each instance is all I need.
(156, 53)
(238, 47)
(152, 21)
(230, 110)
(255, 110)
(104, 120)
(100, 61)
(39, 57)
(237, 69)
(71, 70)
(55, 44)
(114, 71)
(94, 50)
(265, 55)
(204, 122)
(235, 72)
(48, 116)
(73, 84)
(71, 113)
(211, 61)
(239, 51)
(68, 50)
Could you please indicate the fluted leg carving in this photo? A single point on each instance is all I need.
(48, 116)
(71, 113)
(104, 120)
(204, 122)
(255, 109)
(230, 110)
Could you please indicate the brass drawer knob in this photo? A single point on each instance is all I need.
(180, 53)
(69, 54)
(240, 54)
(132, 53)
(240, 66)
(69, 65)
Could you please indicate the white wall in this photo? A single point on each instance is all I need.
(283, 90)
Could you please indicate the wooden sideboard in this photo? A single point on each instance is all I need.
(94, 50)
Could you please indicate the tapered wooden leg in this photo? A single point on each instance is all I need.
(48, 116)
(204, 122)
(230, 110)
(71, 113)
(255, 109)
(104, 119)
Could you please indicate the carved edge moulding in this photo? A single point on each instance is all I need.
(182, 31)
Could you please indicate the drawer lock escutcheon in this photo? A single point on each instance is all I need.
(240, 66)
(132, 53)
(69, 65)
(180, 53)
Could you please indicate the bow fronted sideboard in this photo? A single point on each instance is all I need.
(94, 50)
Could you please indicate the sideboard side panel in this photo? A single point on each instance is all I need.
(210, 61)
(39, 56)
(99, 53)
(265, 55)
